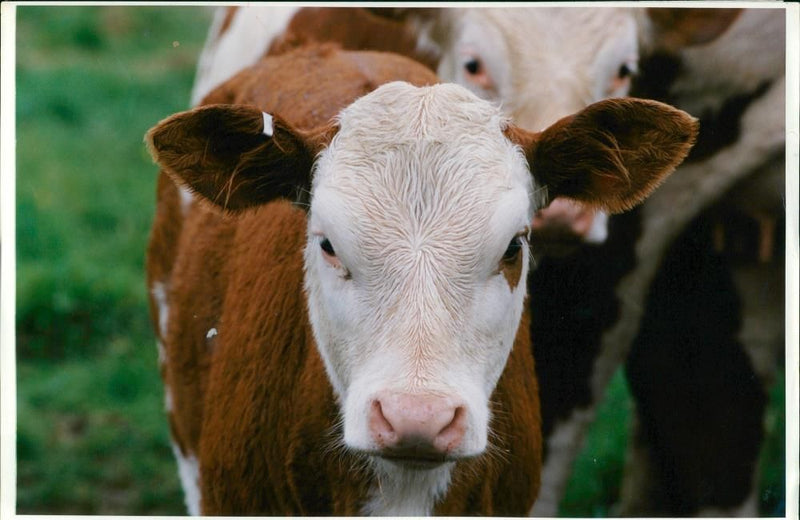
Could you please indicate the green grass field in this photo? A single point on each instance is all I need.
(92, 434)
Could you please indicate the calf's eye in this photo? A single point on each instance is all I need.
(327, 247)
(329, 255)
(514, 247)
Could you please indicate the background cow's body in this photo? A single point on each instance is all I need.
(720, 262)
(698, 340)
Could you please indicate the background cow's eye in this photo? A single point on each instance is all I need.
(326, 246)
(514, 247)
(473, 65)
(475, 70)
(626, 70)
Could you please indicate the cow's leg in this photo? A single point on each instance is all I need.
(573, 302)
(699, 402)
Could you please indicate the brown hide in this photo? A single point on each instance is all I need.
(328, 78)
(253, 403)
(351, 28)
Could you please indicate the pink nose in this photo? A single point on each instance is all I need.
(417, 427)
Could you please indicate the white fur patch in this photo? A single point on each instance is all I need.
(247, 38)
(267, 124)
(168, 404)
(186, 199)
(404, 492)
(162, 353)
(189, 473)
(211, 333)
(543, 78)
(159, 292)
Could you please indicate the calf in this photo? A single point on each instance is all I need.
(365, 351)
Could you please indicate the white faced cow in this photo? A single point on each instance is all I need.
(368, 353)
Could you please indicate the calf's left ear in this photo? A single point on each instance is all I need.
(236, 156)
(610, 155)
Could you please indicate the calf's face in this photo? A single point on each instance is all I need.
(416, 261)
(416, 254)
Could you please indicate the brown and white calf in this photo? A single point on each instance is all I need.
(366, 350)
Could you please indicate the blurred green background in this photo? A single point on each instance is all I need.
(92, 434)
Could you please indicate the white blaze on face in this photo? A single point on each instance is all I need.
(419, 196)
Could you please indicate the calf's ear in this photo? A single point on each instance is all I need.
(610, 155)
(236, 156)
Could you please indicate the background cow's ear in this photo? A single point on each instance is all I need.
(236, 156)
(674, 28)
(414, 14)
(610, 155)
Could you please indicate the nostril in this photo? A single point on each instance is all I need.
(382, 430)
(452, 434)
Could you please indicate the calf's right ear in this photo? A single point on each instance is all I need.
(236, 156)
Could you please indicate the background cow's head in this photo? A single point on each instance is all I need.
(420, 204)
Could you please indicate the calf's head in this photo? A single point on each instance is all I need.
(418, 221)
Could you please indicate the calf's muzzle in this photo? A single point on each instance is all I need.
(417, 430)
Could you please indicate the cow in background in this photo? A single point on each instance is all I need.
(699, 341)
(712, 327)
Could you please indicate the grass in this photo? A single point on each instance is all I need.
(595, 482)
(92, 434)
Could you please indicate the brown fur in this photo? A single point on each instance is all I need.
(351, 28)
(230, 13)
(329, 80)
(512, 270)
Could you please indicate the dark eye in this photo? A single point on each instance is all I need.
(473, 66)
(625, 71)
(514, 247)
(327, 247)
